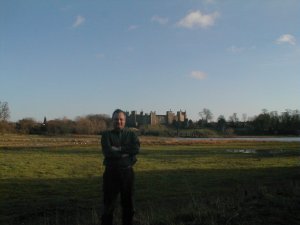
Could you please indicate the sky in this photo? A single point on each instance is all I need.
(74, 58)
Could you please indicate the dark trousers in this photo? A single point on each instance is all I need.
(115, 181)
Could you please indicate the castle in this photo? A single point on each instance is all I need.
(134, 119)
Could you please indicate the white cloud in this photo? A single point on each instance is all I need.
(197, 19)
(133, 27)
(286, 38)
(198, 75)
(160, 20)
(79, 21)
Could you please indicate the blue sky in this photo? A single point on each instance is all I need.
(74, 58)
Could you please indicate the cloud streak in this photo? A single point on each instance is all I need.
(79, 21)
(286, 39)
(239, 49)
(160, 20)
(235, 49)
(197, 19)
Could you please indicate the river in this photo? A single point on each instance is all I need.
(281, 139)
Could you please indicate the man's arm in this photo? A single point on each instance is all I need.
(108, 150)
(133, 145)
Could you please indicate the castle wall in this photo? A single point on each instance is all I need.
(161, 119)
(170, 117)
(153, 119)
(134, 119)
(181, 116)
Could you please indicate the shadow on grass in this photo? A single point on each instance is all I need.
(182, 153)
(250, 196)
(58, 201)
(63, 150)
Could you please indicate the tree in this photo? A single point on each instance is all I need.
(290, 121)
(60, 126)
(100, 122)
(6, 127)
(262, 123)
(26, 125)
(221, 123)
(91, 124)
(244, 117)
(83, 126)
(4, 111)
(274, 122)
(234, 120)
(191, 124)
(206, 115)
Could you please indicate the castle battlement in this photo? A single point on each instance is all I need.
(135, 119)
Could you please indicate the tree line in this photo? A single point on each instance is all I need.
(266, 123)
(90, 124)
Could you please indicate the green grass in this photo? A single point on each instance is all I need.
(192, 183)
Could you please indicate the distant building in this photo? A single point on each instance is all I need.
(134, 119)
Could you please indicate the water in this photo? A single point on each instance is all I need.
(281, 139)
(246, 151)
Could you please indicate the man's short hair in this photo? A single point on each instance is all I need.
(117, 111)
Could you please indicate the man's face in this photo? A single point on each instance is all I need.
(119, 121)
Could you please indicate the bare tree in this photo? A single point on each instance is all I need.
(234, 119)
(4, 111)
(245, 117)
(264, 111)
(26, 125)
(206, 115)
(92, 124)
(83, 126)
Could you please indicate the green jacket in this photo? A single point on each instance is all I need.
(128, 144)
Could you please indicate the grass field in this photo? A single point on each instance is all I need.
(57, 181)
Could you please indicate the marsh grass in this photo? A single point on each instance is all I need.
(192, 183)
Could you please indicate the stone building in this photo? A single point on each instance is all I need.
(135, 119)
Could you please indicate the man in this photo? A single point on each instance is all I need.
(119, 147)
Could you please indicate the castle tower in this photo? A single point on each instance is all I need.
(181, 116)
(170, 117)
(153, 120)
